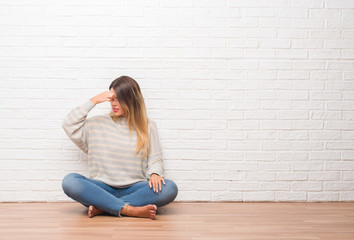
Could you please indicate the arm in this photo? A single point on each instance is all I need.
(155, 169)
(155, 158)
(75, 126)
(74, 123)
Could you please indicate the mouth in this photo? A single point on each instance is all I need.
(115, 109)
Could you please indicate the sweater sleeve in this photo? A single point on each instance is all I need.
(75, 125)
(154, 158)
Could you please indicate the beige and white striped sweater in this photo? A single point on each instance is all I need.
(111, 147)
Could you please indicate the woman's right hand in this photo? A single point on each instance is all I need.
(102, 97)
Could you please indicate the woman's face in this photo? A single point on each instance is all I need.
(116, 107)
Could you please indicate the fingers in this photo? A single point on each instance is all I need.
(103, 97)
(156, 187)
(160, 185)
(155, 183)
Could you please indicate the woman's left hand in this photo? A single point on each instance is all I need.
(155, 182)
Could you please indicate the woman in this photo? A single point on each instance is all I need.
(124, 156)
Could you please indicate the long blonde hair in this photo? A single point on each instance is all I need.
(130, 98)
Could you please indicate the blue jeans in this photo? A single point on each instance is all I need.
(111, 200)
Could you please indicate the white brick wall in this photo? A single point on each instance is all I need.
(254, 99)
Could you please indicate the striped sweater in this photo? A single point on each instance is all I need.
(111, 147)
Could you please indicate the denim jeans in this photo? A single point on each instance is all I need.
(111, 200)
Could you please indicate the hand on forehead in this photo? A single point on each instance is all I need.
(113, 92)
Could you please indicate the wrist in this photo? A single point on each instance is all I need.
(93, 100)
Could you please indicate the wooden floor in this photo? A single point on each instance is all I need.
(258, 221)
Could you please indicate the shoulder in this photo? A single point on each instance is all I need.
(152, 125)
(102, 119)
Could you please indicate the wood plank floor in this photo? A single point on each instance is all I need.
(258, 221)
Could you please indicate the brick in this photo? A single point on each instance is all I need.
(195, 155)
(290, 54)
(325, 115)
(293, 134)
(261, 115)
(323, 197)
(274, 22)
(247, 124)
(276, 146)
(308, 166)
(242, 23)
(347, 196)
(307, 185)
(210, 144)
(227, 176)
(293, 95)
(286, 196)
(210, 186)
(276, 124)
(275, 166)
(292, 33)
(348, 135)
(340, 85)
(243, 186)
(226, 196)
(286, 12)
(182, 3)
(338, 186)
(228, 115)
(339, 4)
(248, 145)
(325, 135)
(339, 165)
(291, 176)
(261, 75)
(276, 104)
(292, 115)
(263, 135)
(308, 4)
(307, 23)
(308, 124)
(240, 3)
(274, 65)
(324, 54)
(325, 13)
(323, 176)
(325, 155)
(340, 105)
(275, 186)
(341, 145)
(274, 43)
(228, 135)
(225, 12)
(339, 125)
(258, 196)
(291, 156)
(324, 33)
(260, 176)
(254, 156)
(320, 95)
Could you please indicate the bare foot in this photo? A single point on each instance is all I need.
(92, 211)
(148, 211)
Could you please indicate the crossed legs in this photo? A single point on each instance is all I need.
(137, 200)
